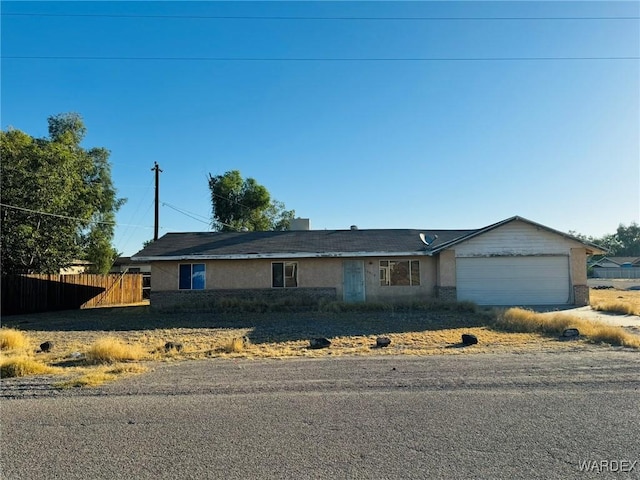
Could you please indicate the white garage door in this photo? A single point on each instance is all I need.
(513, 280)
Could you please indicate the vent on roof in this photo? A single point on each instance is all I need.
(354, 227)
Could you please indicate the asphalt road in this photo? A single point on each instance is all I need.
(455, 416)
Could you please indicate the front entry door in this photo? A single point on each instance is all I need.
(353, 281)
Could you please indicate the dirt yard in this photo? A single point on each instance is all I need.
(277, 334)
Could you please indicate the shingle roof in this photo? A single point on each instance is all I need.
(299, 242)
(317, 243)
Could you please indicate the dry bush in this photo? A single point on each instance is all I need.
(12, 339)
(616, 307)
(235, 345)
(111, 350)
(521, 320)
(23, 365)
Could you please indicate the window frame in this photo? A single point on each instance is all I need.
(386, 272)
(194, 274)
(288, 281)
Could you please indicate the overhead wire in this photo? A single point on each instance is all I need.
(67, 217)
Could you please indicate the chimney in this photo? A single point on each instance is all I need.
(354, 227)
(300, 224)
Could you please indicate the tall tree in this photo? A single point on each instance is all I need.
(624, 243)
(628, 240)
(59, 201)
(239, 204)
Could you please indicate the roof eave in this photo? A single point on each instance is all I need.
(284, 255)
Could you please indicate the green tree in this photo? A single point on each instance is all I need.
(244, 204)
(627, 240)
(624, 243)
(59, 202)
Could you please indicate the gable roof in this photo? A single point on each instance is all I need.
(592, 248)
(617, 260)
(316, 243)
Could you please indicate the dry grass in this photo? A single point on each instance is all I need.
(235, 345)
(12, 339)
(89, 356)
(98, 376)
(626, 302)
(521, 320)
(23, 365)
(616, 307)
(112, 350)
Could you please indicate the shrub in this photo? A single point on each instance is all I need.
(521, 320)
(111, 350)
(11, 339)
(615, 307)
(23, 366)
(235, 345)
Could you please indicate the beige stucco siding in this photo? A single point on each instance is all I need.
(312, 272)
(578, 262)
(236, 274)
(376, 292)
(446, 262)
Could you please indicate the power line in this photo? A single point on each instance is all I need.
(187, 213)
(317, 18)
(317, 59)
(66, 217)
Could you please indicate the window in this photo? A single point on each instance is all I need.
(192, 276)
(399, 272)
(284, 274)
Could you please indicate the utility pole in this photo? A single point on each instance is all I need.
(156, 169)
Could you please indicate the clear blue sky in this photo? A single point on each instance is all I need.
(379, 114)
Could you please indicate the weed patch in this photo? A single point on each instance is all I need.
(21, 366)
(12, 339)
(616, 307)
(521, 320)
(112, 350)
(235, 345)
(101, 375)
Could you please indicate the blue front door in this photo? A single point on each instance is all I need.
(353, 281)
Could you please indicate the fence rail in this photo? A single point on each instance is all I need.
(42, 293)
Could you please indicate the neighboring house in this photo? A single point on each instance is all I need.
(76, 267)
(616, 267)
(512, 262)
(125, 265)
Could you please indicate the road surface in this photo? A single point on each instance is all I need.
(543, 415)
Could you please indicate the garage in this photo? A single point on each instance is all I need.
(514, 280)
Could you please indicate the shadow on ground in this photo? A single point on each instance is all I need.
(263, 327)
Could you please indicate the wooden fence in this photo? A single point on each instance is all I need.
(42, 293)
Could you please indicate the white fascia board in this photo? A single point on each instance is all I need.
(253, 256)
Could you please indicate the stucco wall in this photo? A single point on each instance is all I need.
(446, 262)
(377, 293)
(234, 274)
(312, 273)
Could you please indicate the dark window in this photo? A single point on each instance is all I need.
(284, 274)
(399, 272)
(192, 276)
